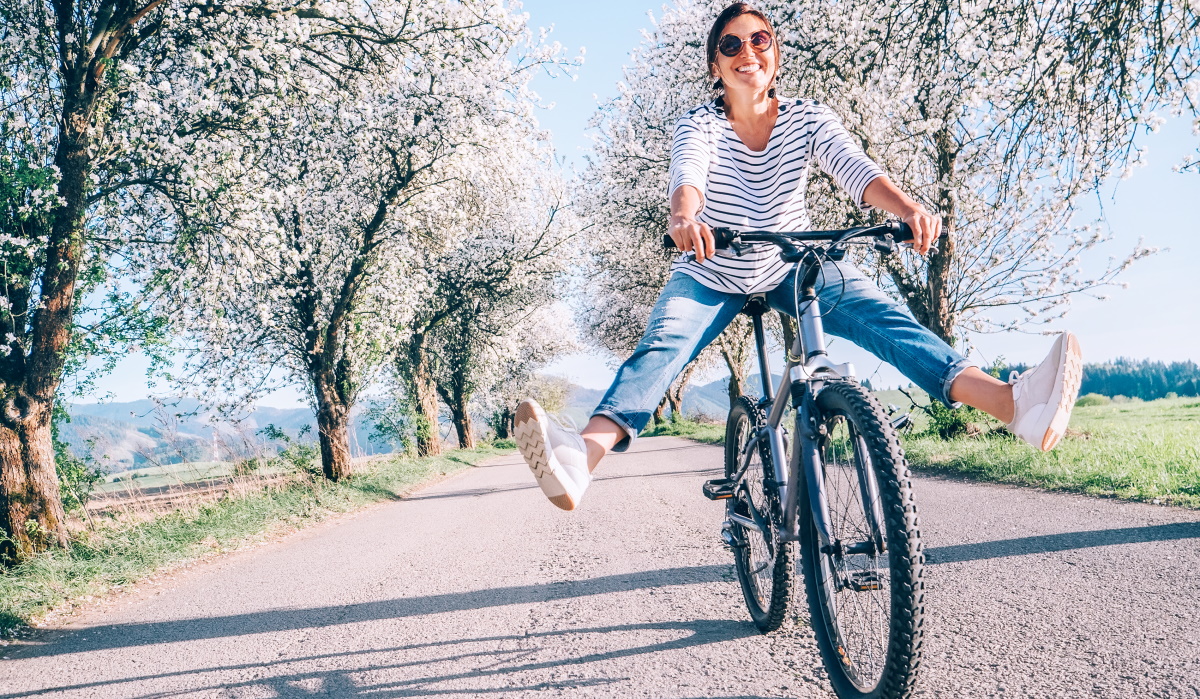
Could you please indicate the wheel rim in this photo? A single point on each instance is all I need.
(858, 619)
(759, 556)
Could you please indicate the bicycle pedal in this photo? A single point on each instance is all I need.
(864, 581)
(719, 489)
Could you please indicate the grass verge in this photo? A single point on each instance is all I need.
(1135, 451)
(117, 553)
(1143, 451)
(706, 432)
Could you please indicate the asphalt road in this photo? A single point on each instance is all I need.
(477, 587)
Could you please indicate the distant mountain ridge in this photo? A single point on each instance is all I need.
(126, 435)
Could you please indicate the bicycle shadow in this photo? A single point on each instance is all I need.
(111, 636)
(362, 678)
(1051, 543)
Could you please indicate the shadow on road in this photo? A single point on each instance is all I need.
(362, 676)
(1061, 542)
(130, 635)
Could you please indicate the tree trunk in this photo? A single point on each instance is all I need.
(31, 510)
(462, 424)
(660, 411)
(422, 391)
(735, 348)
(787, 325)
(941, 317)
(502, 422)
(333, 422)
(675, 392)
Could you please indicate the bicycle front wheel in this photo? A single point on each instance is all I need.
(865, 592)
(764, 565)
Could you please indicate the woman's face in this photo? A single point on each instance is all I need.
(749, 69)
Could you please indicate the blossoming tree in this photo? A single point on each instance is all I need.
(124, 118)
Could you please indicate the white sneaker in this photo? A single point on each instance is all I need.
(557, 456)
(1044, 395)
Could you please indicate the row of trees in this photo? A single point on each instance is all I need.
(999, 115)
(1138, 378)
(330, 194)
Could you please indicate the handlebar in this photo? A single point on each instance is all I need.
(898, 231)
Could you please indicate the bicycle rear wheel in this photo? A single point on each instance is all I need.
(764, 566)
(865, 595)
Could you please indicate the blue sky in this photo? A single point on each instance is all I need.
(1157, 317)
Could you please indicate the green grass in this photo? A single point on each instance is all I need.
(1131, 450)
(117, 553)
(707, 432)
(171, 474)
(1136, 451)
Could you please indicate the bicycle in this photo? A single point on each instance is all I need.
(845, 496)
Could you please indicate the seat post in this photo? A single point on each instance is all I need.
(755, 309)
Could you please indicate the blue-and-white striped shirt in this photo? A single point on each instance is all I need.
(763, 191)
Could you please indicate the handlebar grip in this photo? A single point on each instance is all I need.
(904, 232)
(722, 236)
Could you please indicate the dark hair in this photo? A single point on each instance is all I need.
(727, 15)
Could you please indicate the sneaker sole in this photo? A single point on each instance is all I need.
(1072, 377)
(531, 441)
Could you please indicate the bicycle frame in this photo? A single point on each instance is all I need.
(809, 364)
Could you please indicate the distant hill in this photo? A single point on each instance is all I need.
(133, 434)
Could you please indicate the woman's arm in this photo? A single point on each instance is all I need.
(688, 233)
(882, 194)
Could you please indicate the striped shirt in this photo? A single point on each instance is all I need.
(762, 191)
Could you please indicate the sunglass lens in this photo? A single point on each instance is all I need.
(760, 40)
(730, 45)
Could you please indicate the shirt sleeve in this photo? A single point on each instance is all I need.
(838, 155)
(691, 155)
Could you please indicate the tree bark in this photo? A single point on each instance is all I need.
(462, 424)
(675, 392)
(502, 422)
(31, 510)
(929, 300)
(735, 348)
(422, 390)
(333, 422)
(660, 411)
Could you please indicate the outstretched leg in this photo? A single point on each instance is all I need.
(686, 318)
(1036, 406)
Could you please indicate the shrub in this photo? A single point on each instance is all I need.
(1092, 399)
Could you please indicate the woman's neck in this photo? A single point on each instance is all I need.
(748, 107)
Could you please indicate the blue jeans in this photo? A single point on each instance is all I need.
(689, 315)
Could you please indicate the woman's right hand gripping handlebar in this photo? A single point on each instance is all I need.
(689, 234)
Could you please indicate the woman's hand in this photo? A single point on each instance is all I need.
(926, 228)
(691, 235)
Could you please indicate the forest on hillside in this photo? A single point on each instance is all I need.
(1137, 378)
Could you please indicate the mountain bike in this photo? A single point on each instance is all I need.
(837, 486)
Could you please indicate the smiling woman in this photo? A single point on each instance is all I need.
(741, 161)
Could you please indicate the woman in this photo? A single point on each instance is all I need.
(741, 161)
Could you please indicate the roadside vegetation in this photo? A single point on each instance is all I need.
(698, 430)
(124, 546)
(1129, 449)
(1124, 448)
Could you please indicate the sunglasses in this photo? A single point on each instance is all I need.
(731, 45)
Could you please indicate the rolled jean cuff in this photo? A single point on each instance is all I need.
(631, 433)
(948, 380)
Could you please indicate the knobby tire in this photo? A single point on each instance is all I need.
(869, 652)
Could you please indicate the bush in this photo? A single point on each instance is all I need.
(1092, 399)
(946, 423)
(504, 444)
